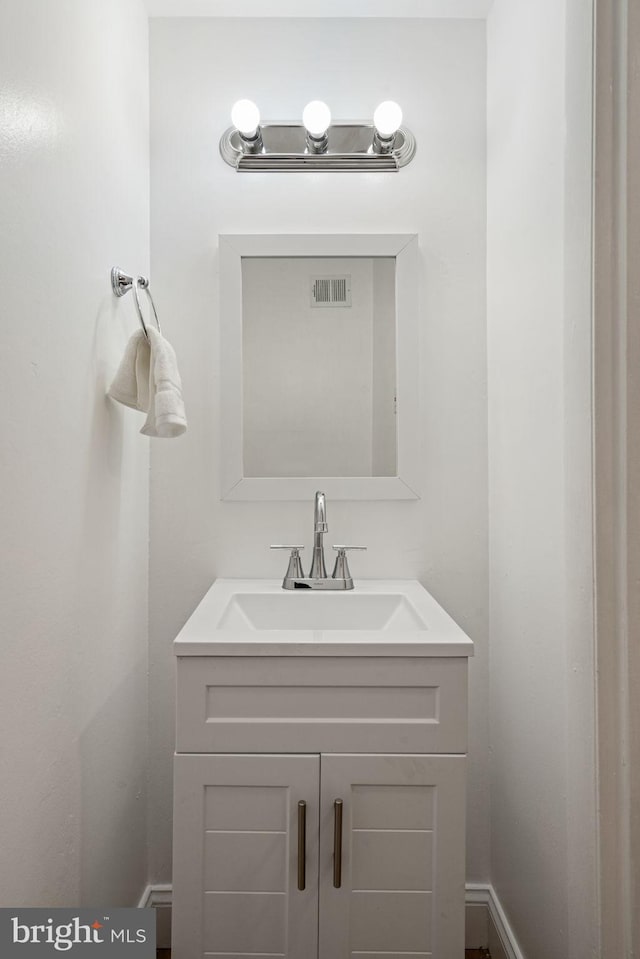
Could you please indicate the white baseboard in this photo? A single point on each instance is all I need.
(155, 896)
(485, 919)
(145, 898)
(501, 943)
(159, 896)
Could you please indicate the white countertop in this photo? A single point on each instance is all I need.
(216, 627)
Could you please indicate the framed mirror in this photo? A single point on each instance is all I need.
(319, 366)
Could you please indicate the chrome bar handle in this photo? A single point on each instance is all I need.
(337, 843)
(302, 845)
(294, 569)
(341, 569)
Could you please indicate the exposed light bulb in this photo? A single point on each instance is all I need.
(245, 117)
(316, 117)
(387, 118)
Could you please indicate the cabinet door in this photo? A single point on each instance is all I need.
(236, 892)
(403, 840)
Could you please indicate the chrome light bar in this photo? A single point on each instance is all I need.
(350, 146)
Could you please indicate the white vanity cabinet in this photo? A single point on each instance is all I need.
(240, 844)
(319, 804)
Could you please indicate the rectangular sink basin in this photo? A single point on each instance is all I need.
(379, 617)
(320, 611)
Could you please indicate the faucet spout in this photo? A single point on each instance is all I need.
(320, 514)
(318, 569)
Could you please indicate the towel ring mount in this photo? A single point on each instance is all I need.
(121, 283)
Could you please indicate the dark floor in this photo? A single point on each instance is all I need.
(469, 954)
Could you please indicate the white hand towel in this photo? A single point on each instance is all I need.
(166, 416)
(131, 383)
(148, 380)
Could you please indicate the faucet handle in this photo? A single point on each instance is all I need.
(294, 569)
(341, 569)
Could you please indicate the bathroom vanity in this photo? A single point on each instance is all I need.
(319, 804)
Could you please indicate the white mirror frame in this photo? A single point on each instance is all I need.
(404, 248)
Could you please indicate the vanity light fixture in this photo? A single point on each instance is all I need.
(317, 144)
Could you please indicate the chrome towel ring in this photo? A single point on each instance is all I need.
(121, 283)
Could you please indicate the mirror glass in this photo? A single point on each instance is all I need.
(319, 366)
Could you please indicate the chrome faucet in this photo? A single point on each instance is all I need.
(318, 569)
(317, 578)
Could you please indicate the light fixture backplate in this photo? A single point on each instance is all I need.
(349, 148)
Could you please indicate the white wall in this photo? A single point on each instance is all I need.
(539, 342)
(436, 69)
(73, 581)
